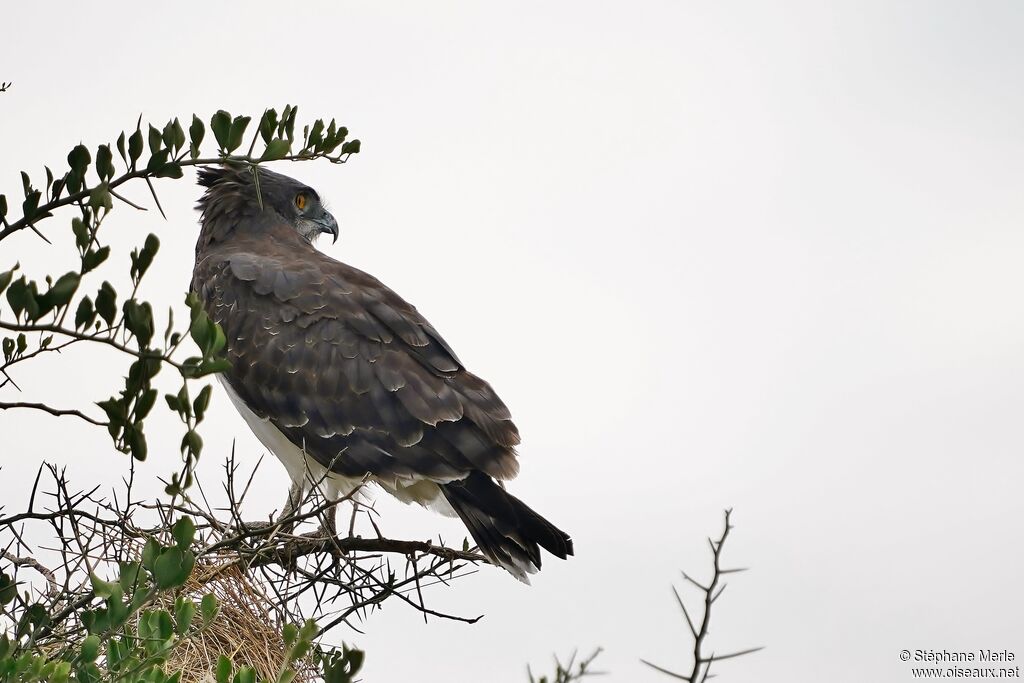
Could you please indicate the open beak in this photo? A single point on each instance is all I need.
(328, 224)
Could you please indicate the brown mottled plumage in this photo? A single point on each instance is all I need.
(349, 372)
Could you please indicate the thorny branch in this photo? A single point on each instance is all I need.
(51, 579)
(701, 666)
(571, 671)
(306, 575)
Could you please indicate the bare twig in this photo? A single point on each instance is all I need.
(51, 578)
(52, 411)
(569, 671)
(701, 666)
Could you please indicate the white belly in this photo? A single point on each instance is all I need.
(300, 466)
(305, 468)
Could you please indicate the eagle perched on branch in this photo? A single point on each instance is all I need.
(342, 379)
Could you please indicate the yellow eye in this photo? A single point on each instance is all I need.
(300, 201)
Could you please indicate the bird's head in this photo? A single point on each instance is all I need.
(232, 199)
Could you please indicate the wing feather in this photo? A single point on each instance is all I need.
(347, 369)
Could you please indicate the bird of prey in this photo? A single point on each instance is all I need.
(343, 379)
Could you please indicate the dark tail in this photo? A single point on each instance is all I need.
(508, 532)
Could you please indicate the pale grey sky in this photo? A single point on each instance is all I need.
(756, 255)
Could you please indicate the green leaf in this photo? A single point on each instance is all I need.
(32, 619)
(276, 149)
(5, 278)
(172, 402)
(103, 589)
(85, 314)
(237, 132)
(350, 147)
(155, 140)
(335, 136)
(145, 403)
(158, 161)
(218, 342)
(184, 532)
(223, 674)
(129, 577)
(90, 649)
(81, 233)
(288, 123)
(61, 672)
(32, 307)
(17, 295)
(184, 610)
(211, 367)
(196, 132)
(316, 135)
(208, 607)
(290, 632)
(142, 259)
(163, 624)
(308, 631)
(8, 589)
(202, 401)
(106, 303)
(135, 146)
(283, 123)
(355, 660)
(136, 440)
(173, 567)
(186, 409)
(138, 319)
(63, 289)
(192, 442)
(94, 258)
(170, 170)
(245, 674)
(173, 136)
(220, 124)
(30, 206)
(150, 553)
(120, 148)
(78, 159)
(201, 329)
(104, 162)
(99, 198)
(268, 122)
(179, 135)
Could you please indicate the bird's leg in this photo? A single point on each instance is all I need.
(328, 522)
(329, 525)
(291, 506)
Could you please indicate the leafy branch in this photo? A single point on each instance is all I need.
(53, 315)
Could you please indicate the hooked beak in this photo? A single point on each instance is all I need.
(327, 223)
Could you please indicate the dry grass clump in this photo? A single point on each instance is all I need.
(247, 629)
